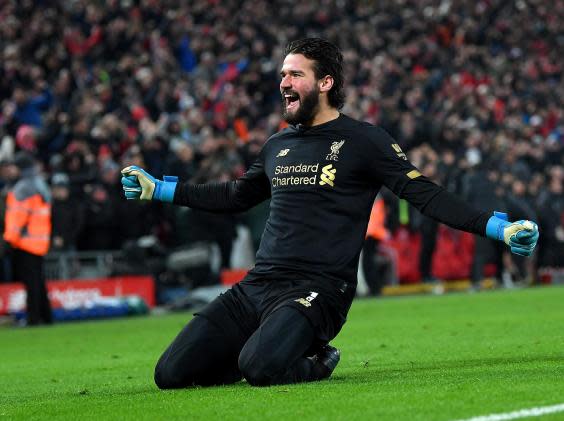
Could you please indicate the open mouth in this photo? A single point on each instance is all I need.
(292, 101)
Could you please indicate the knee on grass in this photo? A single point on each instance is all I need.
(165, 378)
(259, 370)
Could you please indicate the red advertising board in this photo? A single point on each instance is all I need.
(77, 293)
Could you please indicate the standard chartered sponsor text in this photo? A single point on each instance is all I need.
(309, 175)
(298, 168)
(293, 181)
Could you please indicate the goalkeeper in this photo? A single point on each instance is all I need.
(322, 174)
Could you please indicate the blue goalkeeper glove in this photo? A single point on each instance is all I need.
(521, 236)
(139, 184)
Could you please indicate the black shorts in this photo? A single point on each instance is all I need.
(241, 310)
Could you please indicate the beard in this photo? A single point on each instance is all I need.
(306, 110)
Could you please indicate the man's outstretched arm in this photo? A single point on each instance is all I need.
(434, 201)
(233, 196)
(391, 167)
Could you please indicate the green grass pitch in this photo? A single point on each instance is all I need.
(413, 358)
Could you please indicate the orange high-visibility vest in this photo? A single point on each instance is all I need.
(28, 223)
(376, 228)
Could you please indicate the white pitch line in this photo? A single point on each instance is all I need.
(522, 413)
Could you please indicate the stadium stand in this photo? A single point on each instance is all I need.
(472, 90)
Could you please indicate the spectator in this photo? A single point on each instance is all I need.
(551, 215)
(100, 230)
(29, 105)
(9, 175)
(181, 161)
(429, 229)
(67, 215)
(518, 208)
(485, 192)
(27, 230)
(372, 266)
(474, 83)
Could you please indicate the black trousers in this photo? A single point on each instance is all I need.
(28, 268)
(205, 353)
(485, 251)
(372, 272)
(429, 230)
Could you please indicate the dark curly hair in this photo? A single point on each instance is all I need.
(328, 61)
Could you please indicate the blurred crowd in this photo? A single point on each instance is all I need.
(471, 89)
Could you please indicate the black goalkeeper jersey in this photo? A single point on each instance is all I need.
(323, 181)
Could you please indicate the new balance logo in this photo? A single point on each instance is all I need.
(328, 175)
(283, 152)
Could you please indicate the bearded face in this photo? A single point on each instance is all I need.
(300, 108)
(299, 89)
